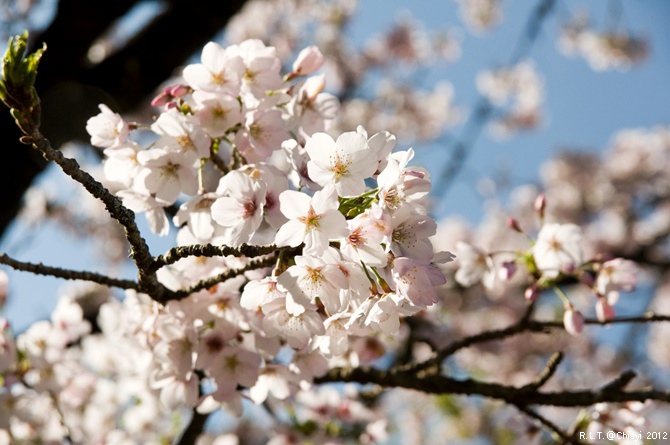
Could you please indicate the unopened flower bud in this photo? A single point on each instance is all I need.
(513, 224)
(540, 204)
(604, 310)
(4, 288)
(177, 90)
(531, 293)
(573, 321)
(309, 60)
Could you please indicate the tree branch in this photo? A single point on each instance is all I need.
(139, 251)
(213, 281)
(549, 424)
(440, 384)
(208, 250)
(41, 269)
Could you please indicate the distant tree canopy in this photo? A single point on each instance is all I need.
(72, 86)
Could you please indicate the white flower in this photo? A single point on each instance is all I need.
(241, 211)
(216, 73)
(107, 129)
(558, 248)
(182, 134)
(614, 276)
(310, 278)
(474, 265)
(166, 174)
(366, 233)
(313, 221)
(297, 329)
(346, 162)
(216, 112)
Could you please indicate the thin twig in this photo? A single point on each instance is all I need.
(549, 424)
(67, 274)
(225, 276)
(548, 371)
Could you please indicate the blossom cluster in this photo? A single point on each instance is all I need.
(519, 91)
(555, 256)
(603, 50)
(243, 151)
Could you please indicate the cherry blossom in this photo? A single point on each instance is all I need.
(346, 163)
(558, 248)
(313, 221)
(216, 73)
(241, 210)
(107, 129)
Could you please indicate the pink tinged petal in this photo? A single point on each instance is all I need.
(213, 57)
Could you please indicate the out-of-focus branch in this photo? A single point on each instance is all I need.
(441, 384)
(567, 438)
(483, 109)
(194, 429)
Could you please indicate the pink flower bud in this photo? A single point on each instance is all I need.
(540, 204)
(573, 321)
(309, 60)
(604, 310)
(177, 90)
(513, 224)
(160, 100)
(4, 288)
(531, 293)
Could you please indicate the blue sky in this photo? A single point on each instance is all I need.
(584, 109)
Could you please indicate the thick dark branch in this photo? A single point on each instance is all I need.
(41, 269)
(439, 384)
(526, 325)
(208, 250)
(139, 251)
(194, 429)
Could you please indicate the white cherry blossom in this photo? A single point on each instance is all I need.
(313, 221)
(346, 163)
